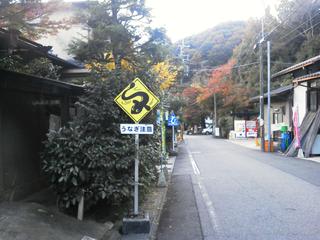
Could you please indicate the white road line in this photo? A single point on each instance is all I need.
(194, 165)
(206, 198)
(195, 152)
(210, 207)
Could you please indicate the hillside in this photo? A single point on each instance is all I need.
(210, 48)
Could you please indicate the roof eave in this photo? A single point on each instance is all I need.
(296, 67)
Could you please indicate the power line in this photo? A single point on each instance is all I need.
(284, 63)
(238, 66)
(283, 37)
(273, 29)
(217, 67)
(285, 20)
(301, 33)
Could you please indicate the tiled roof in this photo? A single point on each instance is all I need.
(297, 66)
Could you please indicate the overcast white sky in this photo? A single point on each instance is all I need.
(183, 18)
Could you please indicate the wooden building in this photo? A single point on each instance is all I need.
(29, 107)
(280, 109)
(305, 78)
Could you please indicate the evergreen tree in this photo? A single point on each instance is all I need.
(120, 32)
(30, 17)
(95, 159)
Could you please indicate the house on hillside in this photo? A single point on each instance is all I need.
(280, 109)
(306, 101)
(29, 107)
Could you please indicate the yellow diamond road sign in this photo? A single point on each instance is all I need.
(137, 100)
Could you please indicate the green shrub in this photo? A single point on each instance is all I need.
(91, 156)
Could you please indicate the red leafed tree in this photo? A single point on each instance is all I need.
(219, 82)
(231, 94)
(31, 17)
(193, 112)
(231, 97)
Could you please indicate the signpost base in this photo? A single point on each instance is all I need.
(173, 153)
(136, 224)
(162, 179)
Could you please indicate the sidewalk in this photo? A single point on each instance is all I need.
(250, 143)
(26, 221)
(247, 142)
(180, 217)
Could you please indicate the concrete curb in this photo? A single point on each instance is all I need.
(155, 222)
(314, 159)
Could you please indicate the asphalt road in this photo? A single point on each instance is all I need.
(223, 191)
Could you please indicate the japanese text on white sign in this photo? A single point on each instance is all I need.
(136, 128)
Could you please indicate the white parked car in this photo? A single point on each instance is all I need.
(207, 130)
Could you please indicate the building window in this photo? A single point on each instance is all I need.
(277, 117)
(313, 100)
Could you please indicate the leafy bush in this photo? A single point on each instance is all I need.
(90, 155)
(41, 67)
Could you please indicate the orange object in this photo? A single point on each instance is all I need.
(266, 146)
(257, 142)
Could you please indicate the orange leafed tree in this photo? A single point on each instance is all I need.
(193, 112)
(219, 82)
(231, 96)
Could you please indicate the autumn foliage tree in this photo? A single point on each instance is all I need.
(230, 96)
(167, 74)
(31, 17)
(194, 112)
(219, 82)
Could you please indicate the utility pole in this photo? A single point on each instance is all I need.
(215, 114)
(269, 100)
(261, 87)
(162, 178)
(185, 60)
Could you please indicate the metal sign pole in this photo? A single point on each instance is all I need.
(269, 100)
(173, 138)
(136, 110)
(163, 138)
(136, 177)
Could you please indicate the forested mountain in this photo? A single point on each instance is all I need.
(224, 61)
(210, 48)
(294, 34)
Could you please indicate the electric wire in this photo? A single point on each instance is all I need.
(283, 37)
(285, 20)
(299, 34)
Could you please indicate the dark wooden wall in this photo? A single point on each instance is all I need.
(23, 128)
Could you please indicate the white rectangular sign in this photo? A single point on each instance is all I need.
(251, 129)
(240, 128)
(136, 128)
